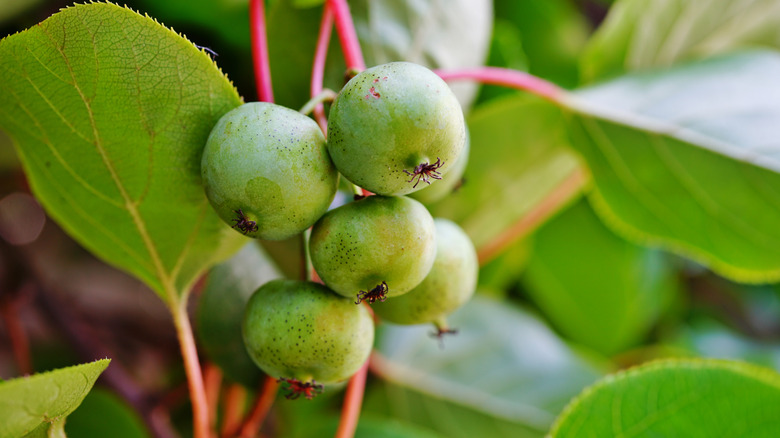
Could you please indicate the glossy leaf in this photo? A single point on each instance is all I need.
(109, 111)
(221, 310)
(598, 289)
(29, 403)
(518, 156)
(691, 398)
(643, 34)
(103, 414)
(503, 362)
(689, 158)
(447, 35)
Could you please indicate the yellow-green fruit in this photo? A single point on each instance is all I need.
(449, 285)
(390, 119)
(302, 330)
(360, 245)
(267, 172)
(448, 183)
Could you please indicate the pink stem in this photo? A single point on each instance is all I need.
(350, 411)
(259, 411)
(507, 78)
(200, 409)
(262, 67)
(346, 30)
(318, 71)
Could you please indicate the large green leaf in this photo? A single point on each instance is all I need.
(503, 362)
(676, 398)
(688, 158)
(436, 34)
(597, 288)
(109, 111)
(221, 311)
(642, 34)
(103, 414)
(518, 156)
(27, 403)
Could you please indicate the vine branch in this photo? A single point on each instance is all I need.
(353, 400)
(318, 69)
(347, 35)
(262, 67)
(508, 78)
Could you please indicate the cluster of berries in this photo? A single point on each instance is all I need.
(268, 171)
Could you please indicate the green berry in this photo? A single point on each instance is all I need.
(451, 282)
(394, 128)
(267, 172)
(377, 245)
(302, 331)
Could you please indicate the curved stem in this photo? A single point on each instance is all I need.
(350, 412)
(260, 409)
(318, 69)
(553, 202)
(347, 35)
(326, 95)
(508, 78)
(200, 409)
(262, 67)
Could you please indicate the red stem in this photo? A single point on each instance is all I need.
(260, 409)
(232, 410)
(318, 70)
(350, 411)
(200, 410)
(507, 78)
(262, 67)
(212, 378)
(20, 344)
(347, 35)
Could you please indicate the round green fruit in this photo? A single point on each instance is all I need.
(449, 182)
(448, 286)
(267, 172)
(303, 331)
(394, 128)
(380, 246)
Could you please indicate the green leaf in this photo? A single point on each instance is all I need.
(109, 111)
(503, 362)
(597, 288)
(519, 155)
(375, 426)
(221, 310)
(103, 414)
(26, 403)
(688, 158)
(436, 34)
(643, 34)
(10, 9)
(691, 398)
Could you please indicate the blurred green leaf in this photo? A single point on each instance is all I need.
(690, 398)
(221, 311)
(102, 414)
(27, 403)
(8, 158)
(503, 363)
(597, 288)
(643, 34)
(437, 34)
(518, 156)
(375, 426)
(9, 9)
(503, 272)
(688, 158)
(110, 111)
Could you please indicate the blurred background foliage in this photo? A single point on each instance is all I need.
(555, 311)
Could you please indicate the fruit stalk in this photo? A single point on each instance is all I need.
(350, 411)
(347, 35)
(508, 78)
(260, 409)
(318, 69)
(200, 410)
(262, 67)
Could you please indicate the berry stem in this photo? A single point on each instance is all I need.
(350, 411)
(200, 410)
(326, 95)
(212, 380)
(262, 67)
(508, 78)
(318, 69)
(347, 35)
(232, 410)
(554, 201)
(260, 409)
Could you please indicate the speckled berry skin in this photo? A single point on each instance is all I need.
(436, 192)
(361, 244)
(271, 163)
(448, 286)
(391, 118)
(302, 330)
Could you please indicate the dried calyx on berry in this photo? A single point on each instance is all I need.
(298, 388)
(379, 293)
(424, 172)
